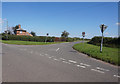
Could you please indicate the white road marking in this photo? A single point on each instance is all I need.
(46, 54)
(80, 66)
(49, 57)
(72, 61)
(56, 59)
(97, 71)
(117, 76)
(41, 55)
(102, 69)
(66, 62)
(57, 49)
(62, 58)
(85, 64)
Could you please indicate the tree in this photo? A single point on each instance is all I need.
(15, 28)
(65, 34)
(8, 32)
(33, 33)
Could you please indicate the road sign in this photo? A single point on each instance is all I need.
(103, 27)
(47, 34)
(83, 34)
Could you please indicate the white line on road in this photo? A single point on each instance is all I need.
(62, 58)
(117, 76)
(57, 49)
(66, 62)
(72, 61)
(85, 64)
(46, 54)
(80, 66)
(41, 55)
(56, 59)
(102, 69)
(97, 71)
(49, 57)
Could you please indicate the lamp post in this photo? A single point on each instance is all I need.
(83, 34)
(46, 37)
(103, 27)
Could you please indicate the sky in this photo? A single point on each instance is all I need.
(55, 17)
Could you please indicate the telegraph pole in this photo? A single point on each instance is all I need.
(7, 29)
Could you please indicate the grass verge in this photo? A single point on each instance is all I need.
(28, 42)
(109, 55)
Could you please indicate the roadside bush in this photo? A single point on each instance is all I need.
(70, 39)
(38, 38)
(107, 41)
(28, 38)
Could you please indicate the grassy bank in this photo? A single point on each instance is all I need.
(109, 55)
(27, 42)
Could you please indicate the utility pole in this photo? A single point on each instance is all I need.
(103, 27)
(7, 29)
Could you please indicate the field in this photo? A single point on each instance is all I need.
(108, 54)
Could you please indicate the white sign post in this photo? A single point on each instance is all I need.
(103, 27)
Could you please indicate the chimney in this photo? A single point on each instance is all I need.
(19, 26)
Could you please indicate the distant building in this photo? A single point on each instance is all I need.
(20, 31)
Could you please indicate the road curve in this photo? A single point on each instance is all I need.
(53, 63)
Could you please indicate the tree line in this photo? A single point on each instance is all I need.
(11, 35)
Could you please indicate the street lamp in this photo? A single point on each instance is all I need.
(46, 37)
(103, 27)
(83, 34)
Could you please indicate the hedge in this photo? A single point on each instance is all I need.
(38, 38)
(28, 38)
(107, 41)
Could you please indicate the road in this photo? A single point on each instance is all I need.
(53, 63)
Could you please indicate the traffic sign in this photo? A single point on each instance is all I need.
(83, 34)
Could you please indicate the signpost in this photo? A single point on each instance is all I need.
(103, 27)
(83, 34)
(46, 37)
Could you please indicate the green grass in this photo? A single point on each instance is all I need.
(27, 42)
(109, 55)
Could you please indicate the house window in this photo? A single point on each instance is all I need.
(20, 32)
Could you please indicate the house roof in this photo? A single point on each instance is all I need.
(20, 29)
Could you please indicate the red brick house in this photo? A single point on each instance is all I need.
(20, 31)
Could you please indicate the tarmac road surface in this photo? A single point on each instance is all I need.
(53, 63)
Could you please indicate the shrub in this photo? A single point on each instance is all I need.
(107, 41)
(38, 38)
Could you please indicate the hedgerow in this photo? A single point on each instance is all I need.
(107, 41)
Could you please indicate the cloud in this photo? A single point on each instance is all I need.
(106, 33)
(118, 23)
